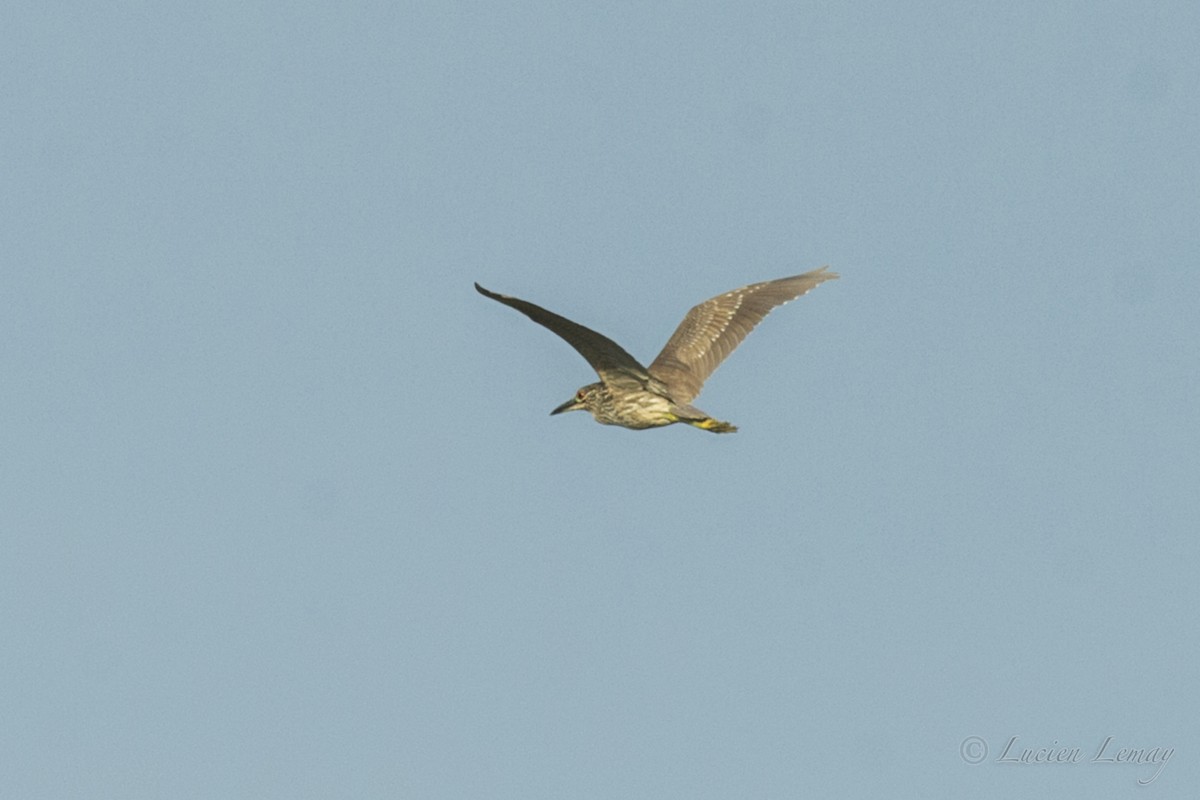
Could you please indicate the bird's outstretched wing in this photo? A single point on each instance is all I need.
(609, 359)
(713, 329)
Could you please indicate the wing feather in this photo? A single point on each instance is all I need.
(714, 329)
(609, 359)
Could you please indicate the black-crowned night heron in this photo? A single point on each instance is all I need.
(638, 397)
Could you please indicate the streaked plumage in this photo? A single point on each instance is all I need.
(634, 396)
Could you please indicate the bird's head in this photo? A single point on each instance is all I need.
(585, 398)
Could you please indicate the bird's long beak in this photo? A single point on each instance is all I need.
(570, 405)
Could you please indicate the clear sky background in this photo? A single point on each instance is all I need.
(284, 516)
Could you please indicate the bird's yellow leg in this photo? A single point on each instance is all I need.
(714, 425)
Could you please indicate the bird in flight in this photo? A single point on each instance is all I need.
(638, 397)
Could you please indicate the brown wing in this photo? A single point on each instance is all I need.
(609, 359)
(713, 329)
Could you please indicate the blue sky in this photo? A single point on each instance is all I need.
(281, 508)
